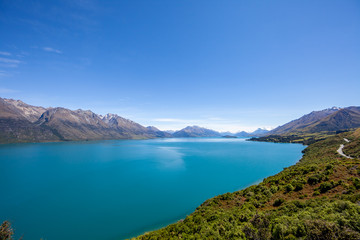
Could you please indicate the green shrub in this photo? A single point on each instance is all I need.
(316, 193)
(298, 185)
(356, 182)
(278, 231)
(326, 186)
(314, 179)
(278, 202)
(227, 196)
(290, 237)
(273, 189)
(329, 167)
(289, 188)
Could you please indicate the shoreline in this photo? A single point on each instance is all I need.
(286, 188)
(241, 189)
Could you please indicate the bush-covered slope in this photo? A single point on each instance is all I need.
(318, 198)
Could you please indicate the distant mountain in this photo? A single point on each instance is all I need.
(196, 131)
(327, 120)
(170, 131)
(158, 133)
(242, 134)
(227, 134)
(257, 133)
(20, 122)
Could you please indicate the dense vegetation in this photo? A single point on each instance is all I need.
(304, 138)
(318, 198)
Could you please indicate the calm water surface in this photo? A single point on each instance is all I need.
(118, 189)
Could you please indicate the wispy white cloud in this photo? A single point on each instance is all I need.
(6, 65)
(3, 73)
(50, 49)
(5, 53)
(216, 119)
(170, 120)
(8, 60)
(7, 90)
(9, 63)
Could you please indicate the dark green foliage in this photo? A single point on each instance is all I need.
(278, 202)
(289, 188)
(329, 167)
(273, 189)
(356, 182)
(326, 186)
(226, 196)
(314, 179)
(298, 185)
(312, 219)
(316, 193)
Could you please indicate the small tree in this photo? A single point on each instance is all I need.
(6, 231)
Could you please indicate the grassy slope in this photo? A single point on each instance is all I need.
(318, 198)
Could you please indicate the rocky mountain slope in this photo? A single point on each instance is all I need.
(15, 126)
(159, 133)
(20, 122)
(315, 126)
(346, 118)
(31, 113)
(196, 131)
(303, 122)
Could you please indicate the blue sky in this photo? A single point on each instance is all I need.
(226, 65)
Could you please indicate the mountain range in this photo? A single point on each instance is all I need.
(21, 122)
(196, 131)
(257, 133)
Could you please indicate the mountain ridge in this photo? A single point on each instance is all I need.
(303, 121)
(315, 126)
(21, 122)
(196, 131)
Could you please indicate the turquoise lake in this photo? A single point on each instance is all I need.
(108, 190)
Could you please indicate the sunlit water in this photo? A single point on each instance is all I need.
(119, 189)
